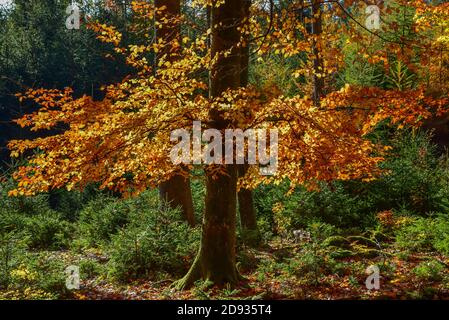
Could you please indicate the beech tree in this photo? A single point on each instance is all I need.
(247, 209)
(123, 141)
(176, 191)
(216, 259)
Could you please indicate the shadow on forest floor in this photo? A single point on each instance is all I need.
(277, 271)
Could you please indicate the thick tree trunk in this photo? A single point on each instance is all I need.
(175, 192)
(247, 210)
(216, 258)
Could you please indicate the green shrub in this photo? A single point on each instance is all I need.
(155, 239)
(103, 217)
(425, 234)
(333, 204)
(265, 228)
(266, 197)
(48, 231)
(416, 236)
(11, 221)
(415, 180)
(308, 266)
(429, 270)
(51, 276)
(441, 239)
(33, 217)
(27, 275)
(320, 231)
(90, 269)
(39, 276)
(12, 250)
(45, 230)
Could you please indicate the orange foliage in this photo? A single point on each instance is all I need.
(123, 141)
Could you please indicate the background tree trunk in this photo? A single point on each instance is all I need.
(176, 192)
(216, 259)
(247, 210)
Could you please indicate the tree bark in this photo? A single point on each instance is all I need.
(176, 192)
(247, 210)
(216, 259)
(248, 221)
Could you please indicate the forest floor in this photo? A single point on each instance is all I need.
(400, 278)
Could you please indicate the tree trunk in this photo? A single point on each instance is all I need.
(216, 258)
(176, 192)
(247, 210)
(248, 221)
